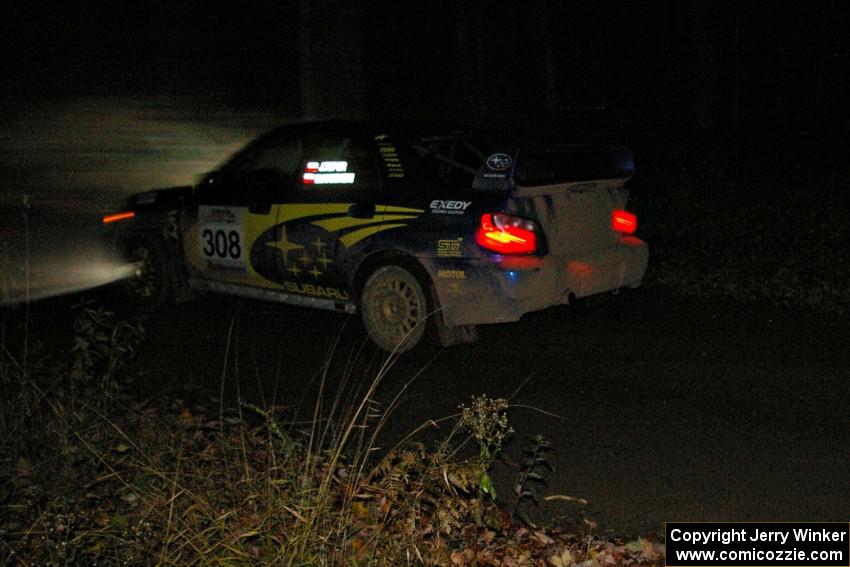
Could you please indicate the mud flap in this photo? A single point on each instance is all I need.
(460, 335)
(177, 275)
(449, 336)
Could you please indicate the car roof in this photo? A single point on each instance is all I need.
(427, 132)
(400, 129)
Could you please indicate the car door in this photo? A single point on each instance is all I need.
(237, 206)
(333, 203)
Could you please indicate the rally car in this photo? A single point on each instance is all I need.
(411, 231)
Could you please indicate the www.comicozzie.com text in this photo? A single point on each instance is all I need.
(780, 536)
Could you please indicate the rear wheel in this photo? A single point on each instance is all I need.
(150, 285)
(394, 308)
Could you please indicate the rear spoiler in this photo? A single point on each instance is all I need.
(505, 170)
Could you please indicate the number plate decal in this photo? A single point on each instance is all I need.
(221, 238)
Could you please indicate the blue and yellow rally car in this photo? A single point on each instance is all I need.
(412, 231)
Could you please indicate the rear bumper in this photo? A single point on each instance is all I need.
(500, 289)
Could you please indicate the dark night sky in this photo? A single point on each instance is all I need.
(139, 49)
(663, 64)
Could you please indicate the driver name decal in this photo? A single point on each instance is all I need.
(327, 173)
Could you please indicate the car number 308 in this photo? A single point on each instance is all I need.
(222, 244)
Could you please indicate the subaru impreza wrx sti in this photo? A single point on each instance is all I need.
(410, 231)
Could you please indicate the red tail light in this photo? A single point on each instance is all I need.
(118, 216)
(624, 221)
(506, 234)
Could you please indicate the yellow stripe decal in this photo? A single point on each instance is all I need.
(297, 211)
(341, 223)
(389, 209)
(356, 236)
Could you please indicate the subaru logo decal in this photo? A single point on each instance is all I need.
(499, 162)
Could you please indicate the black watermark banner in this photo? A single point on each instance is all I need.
(758, 544)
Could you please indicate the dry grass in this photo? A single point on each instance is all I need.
(91, 476)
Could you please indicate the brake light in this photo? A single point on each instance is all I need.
(624, 221)
(118, 217)
(506, 234)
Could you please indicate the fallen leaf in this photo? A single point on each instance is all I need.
(651, 551)
(565, 559)
(541, 538)
(485, 557)
(520, 533)
(462, 557)
(185, 418)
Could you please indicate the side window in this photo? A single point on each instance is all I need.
(261, 174)
(333, 164)
(281, 157)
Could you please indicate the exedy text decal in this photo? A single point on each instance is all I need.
(440, 207)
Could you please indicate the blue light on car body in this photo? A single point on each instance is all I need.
(513, 276)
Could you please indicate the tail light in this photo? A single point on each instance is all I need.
(624, 221)
(118, 217)
(507, 234)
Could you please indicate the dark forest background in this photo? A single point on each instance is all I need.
(738, 112)
(722, 67)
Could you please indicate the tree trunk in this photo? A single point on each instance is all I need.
(706, 77)
(331, 60)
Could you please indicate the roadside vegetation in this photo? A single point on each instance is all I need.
(93, 476)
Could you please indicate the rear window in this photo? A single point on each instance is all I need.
(545, 167)
(451, 161)
(456, 161)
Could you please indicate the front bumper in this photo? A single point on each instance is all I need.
(501, 289)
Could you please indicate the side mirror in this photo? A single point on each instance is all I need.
(263, 187)
(206, 178)
(259, 207)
